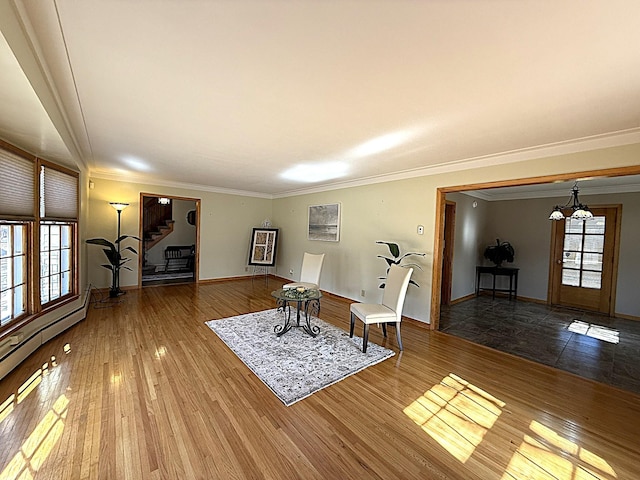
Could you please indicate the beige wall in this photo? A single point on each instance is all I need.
(389, 211)
(225, 228)
(392, 211)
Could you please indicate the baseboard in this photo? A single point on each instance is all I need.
(462, 299)
(627, 317)
(16, 354)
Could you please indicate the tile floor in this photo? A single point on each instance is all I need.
(549, 335)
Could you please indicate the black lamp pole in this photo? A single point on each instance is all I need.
(115, 290)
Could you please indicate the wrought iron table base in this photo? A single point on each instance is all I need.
(310, 306)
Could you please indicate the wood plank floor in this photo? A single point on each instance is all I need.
(144, 390)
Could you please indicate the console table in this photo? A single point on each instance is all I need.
(510, 272)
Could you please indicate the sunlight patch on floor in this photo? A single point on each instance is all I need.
(546, 455)
(595, 331)
(37, 447)
(456, 414)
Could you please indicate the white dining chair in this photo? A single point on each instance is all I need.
(310, 272)
(389, 311)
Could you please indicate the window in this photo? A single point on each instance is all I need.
(58, 214)
(13, 271)
(583, 252)
(55, 261)
(38, 247)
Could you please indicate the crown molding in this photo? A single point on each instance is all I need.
(608, 140)
(595, 142)
(129, 178)
(556, 190)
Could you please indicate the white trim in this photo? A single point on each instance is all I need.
(607, 140)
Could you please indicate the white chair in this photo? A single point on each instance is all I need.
(309, 273)
(390, 310)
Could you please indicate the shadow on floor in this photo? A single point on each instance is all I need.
(590, 345)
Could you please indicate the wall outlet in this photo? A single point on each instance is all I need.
(362, 293)
(291, 271)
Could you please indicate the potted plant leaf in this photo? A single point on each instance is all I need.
(500, 252)
(396, 259)
(116, 260)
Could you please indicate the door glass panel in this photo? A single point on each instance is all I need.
(582, 254)
(571, 260)
(571, 277)
(591, 279)
(594, 243)
(592, 261)
(595, 225)
(573, 226)
(573, 241)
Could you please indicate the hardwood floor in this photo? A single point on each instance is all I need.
(146, 391)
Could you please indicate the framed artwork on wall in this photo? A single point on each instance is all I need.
(264, 242)
(324, 222)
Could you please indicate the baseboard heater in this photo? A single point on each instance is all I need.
(25, 346)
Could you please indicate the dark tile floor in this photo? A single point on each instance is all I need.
(549, 335)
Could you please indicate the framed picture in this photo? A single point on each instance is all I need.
(324, 222)
(264, 242)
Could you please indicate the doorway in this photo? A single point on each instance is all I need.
(447, 252)
(583, 262)
(169, 232)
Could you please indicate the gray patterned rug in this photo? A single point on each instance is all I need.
(295, 365)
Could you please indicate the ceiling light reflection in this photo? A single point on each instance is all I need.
(318, 172)
(136, 163)
(381, 144)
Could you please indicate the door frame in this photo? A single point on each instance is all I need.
(441, 192)
(197, 201)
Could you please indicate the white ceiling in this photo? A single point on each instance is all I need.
(248, 95)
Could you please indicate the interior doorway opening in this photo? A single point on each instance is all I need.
(169, 233)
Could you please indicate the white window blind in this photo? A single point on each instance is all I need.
(59, 194)
(16, 185)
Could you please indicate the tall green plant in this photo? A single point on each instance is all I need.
(115, 258)
(396, 259)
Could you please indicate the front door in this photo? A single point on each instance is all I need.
(583, 260)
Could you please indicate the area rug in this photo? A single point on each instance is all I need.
(295, 365)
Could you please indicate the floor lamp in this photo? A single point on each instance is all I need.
(115, 290)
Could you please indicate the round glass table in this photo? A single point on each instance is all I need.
(307, 303)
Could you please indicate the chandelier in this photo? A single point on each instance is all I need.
(579, 211)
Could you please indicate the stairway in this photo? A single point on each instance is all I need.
(154, 236)
(157, 223)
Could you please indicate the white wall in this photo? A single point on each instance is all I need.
(468, 242)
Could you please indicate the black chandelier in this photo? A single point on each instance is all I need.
(579, 211)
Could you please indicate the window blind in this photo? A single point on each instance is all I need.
(17, 186)
(59, 194)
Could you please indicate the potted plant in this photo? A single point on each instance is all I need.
(396, 259)
(116, 260)
(500, 252)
